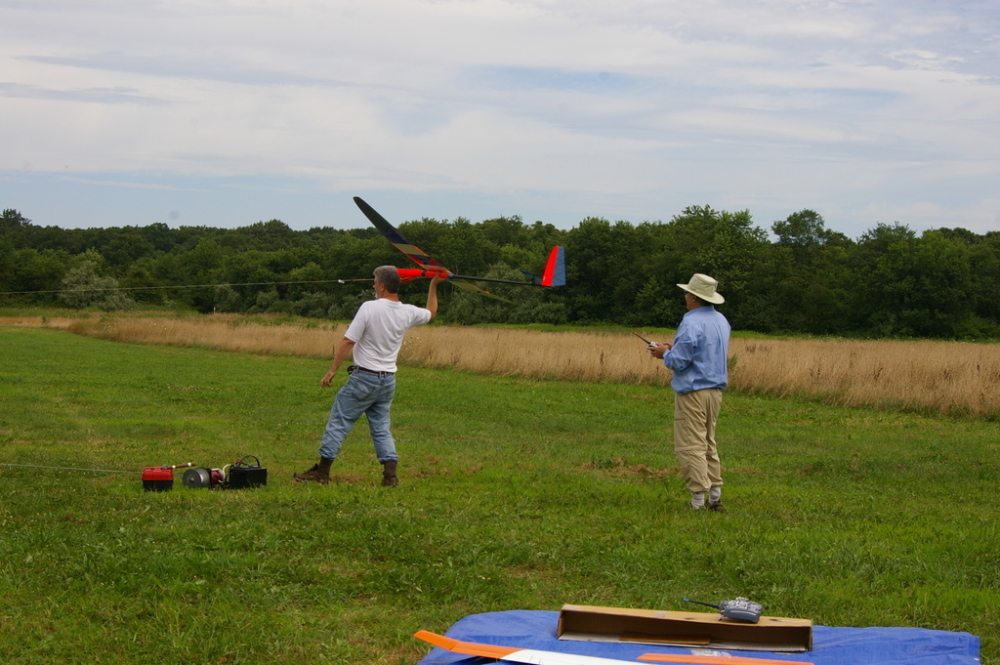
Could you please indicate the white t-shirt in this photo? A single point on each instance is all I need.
(377, 332)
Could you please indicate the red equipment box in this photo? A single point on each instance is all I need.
(158, 478)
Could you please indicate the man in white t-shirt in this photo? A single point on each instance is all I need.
(374, 337)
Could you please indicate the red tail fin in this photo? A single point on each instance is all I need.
(555, 268)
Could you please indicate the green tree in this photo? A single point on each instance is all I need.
(35, 272)
(84, 287)
(809, 286)
(921, 287)
(806, 229)
(12, 222)
(315, 304)
(602, 274)
(270, 235)
(227, 299)
(269, 301)
(125, 247)
(202, 268)
(505, 231)
(653, 304)
(726, 245)
(140, 280)
(984, 265)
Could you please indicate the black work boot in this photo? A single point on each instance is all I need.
(389, 478)
(319, 473)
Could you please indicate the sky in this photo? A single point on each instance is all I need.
(224, 113)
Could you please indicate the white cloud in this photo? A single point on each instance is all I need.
(634, 108)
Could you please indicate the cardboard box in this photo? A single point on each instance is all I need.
(683, 629)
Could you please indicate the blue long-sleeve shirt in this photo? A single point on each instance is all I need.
(701, 347)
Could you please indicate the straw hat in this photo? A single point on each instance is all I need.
(704, 286)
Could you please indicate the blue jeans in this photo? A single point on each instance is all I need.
(367, 393)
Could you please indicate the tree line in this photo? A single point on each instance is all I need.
(800, 277)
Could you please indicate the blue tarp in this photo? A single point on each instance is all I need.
(530, 629)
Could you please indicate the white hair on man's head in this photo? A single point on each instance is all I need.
(388, 277)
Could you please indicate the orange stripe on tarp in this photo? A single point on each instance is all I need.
(716, 660)
(493, 651)
(468, 648)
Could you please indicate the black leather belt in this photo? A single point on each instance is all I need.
(355, 368)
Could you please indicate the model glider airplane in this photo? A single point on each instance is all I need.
(536, 657)
(554, 274)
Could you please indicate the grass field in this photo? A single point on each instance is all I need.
(516, 494)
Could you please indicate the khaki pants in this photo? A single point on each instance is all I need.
(695, 414)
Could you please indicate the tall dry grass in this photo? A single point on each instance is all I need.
(592, 357)
(223, 332)
(949, 377)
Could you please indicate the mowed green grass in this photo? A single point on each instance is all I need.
(515, 495)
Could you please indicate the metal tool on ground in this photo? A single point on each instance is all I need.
(740, 609)
(160, 478)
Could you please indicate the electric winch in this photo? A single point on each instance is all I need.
(242, 474)
(200, 477)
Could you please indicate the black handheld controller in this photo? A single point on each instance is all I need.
(648, 343)
(740, 609)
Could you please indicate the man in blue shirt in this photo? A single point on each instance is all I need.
(698, 358)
